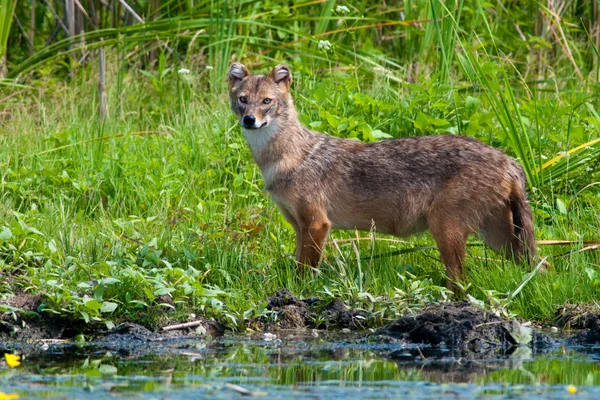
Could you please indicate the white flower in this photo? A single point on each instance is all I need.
(342, 10)
(589, 169)
(183, 71)
(209, 67)
(324, 45)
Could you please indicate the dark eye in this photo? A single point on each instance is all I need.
(243, 99)
(266, 101)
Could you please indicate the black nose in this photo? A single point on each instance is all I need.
(248, 121)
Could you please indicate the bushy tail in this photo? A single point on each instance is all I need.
(524, 247)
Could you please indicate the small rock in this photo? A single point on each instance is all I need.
(553, 329)
(518, 334)
(345, 330)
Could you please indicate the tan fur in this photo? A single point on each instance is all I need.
(452, 185)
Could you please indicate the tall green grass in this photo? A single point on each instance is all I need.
(7, 8)
(416, 31)
(163, 199)
(112, 220)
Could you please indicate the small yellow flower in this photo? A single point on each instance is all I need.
(571, 389)
(8, 396)
(12, 360)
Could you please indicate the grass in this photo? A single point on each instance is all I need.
(104, 221)
(160, 207)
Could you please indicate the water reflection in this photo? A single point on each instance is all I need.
(296, 368)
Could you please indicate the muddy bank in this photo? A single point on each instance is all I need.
(455, 327)
(582, 317)
(126, 340)
(27, 323)
(459, 328)
(289, 312)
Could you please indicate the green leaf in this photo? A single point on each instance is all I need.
(106, 369)
(422, 122)
(33, 230)
(86, 316)
(439, 123)
(93, 304)
(99, 292)
(52, 246)
(201, 330)
(320, 94)
(164, 290)
(561, 207)
(109, 281)
(238, 180)
(377, 134)
(472, 102)
(5, 234)
(108, 306)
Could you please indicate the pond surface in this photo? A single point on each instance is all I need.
(293, 367)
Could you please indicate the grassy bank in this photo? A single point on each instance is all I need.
(159, 208)
(108, 221)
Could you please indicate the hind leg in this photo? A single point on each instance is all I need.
(451, 238)
(498, 232)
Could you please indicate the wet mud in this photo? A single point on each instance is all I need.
(459, 328)
(289, 312)
(582, 317)
(28, 324)
(448, 329)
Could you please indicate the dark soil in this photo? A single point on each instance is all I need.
(132, 340)
(578, 316)
(24, 301)
(289, 312)
(459, 327)
(29, 325)
(585, 317)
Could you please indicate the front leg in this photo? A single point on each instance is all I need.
(291, 218)
(313, 228)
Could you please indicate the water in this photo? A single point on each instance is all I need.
(298, 367)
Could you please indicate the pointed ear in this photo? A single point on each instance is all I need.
(236, 73)
(281, 75)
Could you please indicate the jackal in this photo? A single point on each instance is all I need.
(452, 185)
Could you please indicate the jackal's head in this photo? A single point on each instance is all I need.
(258, 100)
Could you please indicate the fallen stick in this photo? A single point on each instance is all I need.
(565, 242)
(588, 248)
(181, 326)
(538, 242)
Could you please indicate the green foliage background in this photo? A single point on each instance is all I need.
(159, 207)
